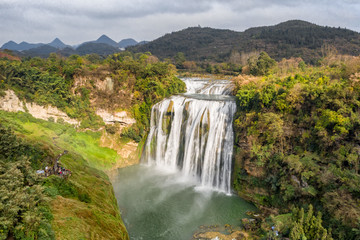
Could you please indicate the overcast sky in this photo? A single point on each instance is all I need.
(76, 21)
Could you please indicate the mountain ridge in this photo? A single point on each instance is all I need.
(11, 45)
(57, 43)
(293, 38)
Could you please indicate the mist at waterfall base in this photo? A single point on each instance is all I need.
(184, 181)
(156, 203)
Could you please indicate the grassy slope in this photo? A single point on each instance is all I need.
(75, 219)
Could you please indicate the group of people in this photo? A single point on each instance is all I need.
(56, 169)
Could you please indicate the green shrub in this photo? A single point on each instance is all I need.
(262, 65)
(84, 197)
(112, 129)
(60, 186)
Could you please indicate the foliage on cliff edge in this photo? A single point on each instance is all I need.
(80, 85)
(297, 139)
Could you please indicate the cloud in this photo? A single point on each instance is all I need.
(75, 21)
(110, 8)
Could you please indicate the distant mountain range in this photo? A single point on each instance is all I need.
(102, 46)
(11, 45)
(293, 38)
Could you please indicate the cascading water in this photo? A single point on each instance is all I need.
(193, 133)
(208, 86)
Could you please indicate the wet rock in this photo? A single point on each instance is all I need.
(170, 108)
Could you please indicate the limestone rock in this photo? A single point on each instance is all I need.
(116, 117)
(11, 103)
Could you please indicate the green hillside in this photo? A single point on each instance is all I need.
(69, 208)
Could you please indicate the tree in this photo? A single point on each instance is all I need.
(179, 60)
(22, 202)
(308, 226)
(261, 65)
(23, 210)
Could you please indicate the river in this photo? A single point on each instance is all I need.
(157, 204)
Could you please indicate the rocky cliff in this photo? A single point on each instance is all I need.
(11, 103)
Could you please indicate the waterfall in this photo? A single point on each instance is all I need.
(193, 133)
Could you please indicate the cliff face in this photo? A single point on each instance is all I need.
(112, 104)
(106, 92)
(11, 103)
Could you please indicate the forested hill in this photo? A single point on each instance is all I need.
(195, 42)
(293, 38)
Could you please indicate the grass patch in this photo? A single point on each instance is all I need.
(62, 136)
(91, 209)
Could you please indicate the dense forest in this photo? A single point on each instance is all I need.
(24, 211)
(289, 39)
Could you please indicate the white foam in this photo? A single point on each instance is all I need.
(194, 136)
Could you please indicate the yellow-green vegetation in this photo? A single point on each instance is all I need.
(300, 225)
(297, 142)
(63, 136)
(82, 206)
(91, 212)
